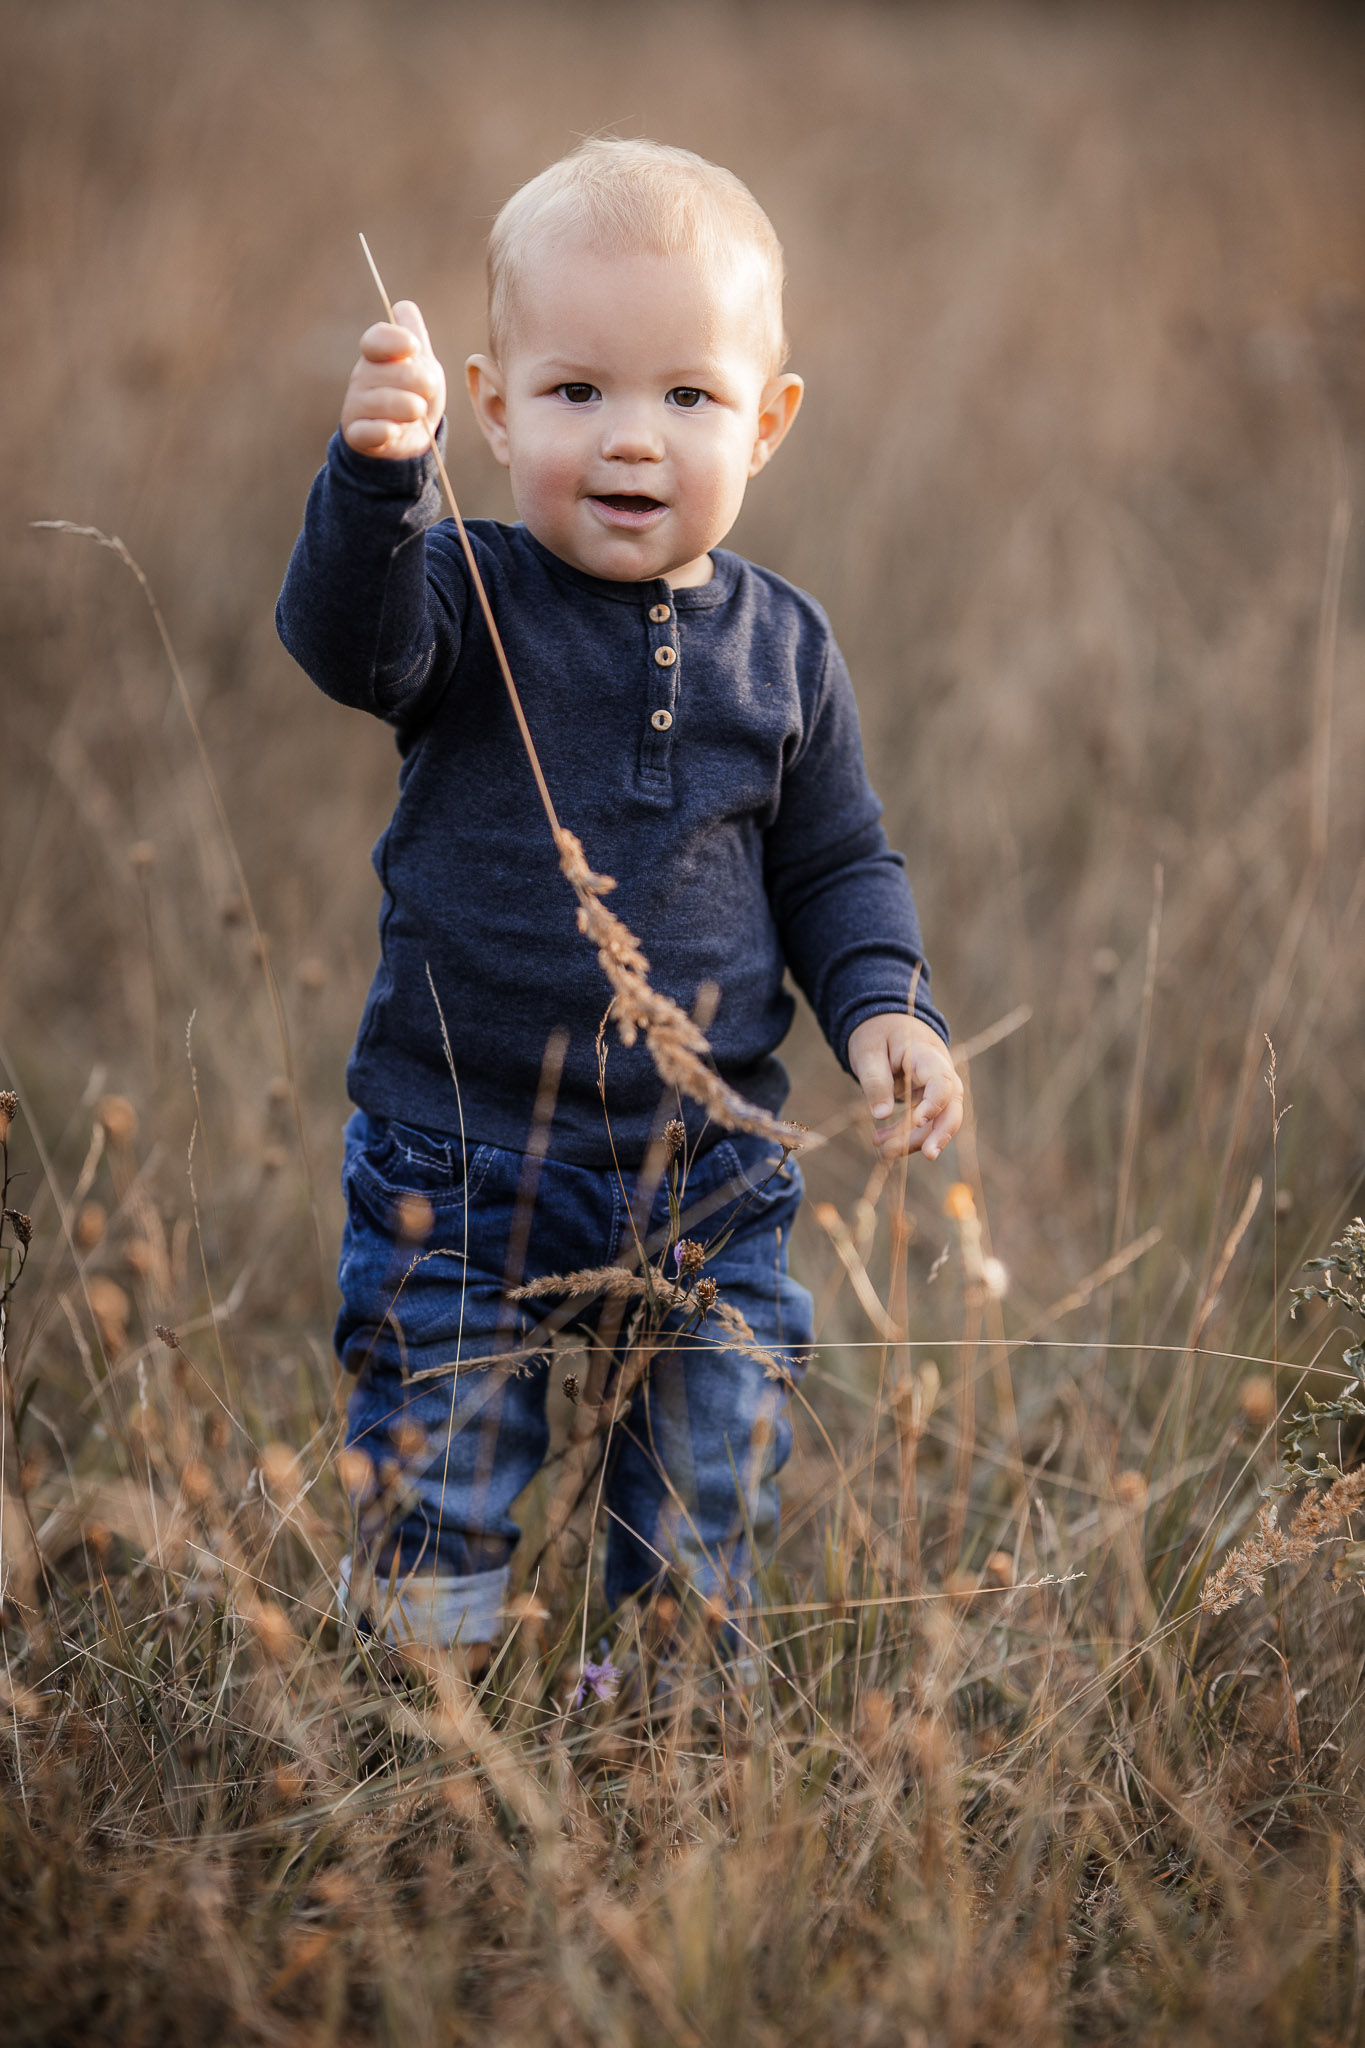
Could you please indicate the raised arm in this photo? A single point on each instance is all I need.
(358, 610)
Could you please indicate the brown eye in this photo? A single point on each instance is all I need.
(688, 398)
(578, 394)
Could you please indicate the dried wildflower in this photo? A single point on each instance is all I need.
(704, 1293)
(675, 1137)
(413, 1218)
(995, 1278)
(913, 1398)
(409, 1439)
(689, 1256)
(355, 1471)
(9, 1110)
(270, 1626)
(111, 1308)
(614, 1282)
(523, 1610)
(21, 1225)
(288, 1785)
(90, 1225)
(196, 1482)
(1317, 1520)
(676, 1043)
(118, 1118)
(571, 1386)
(601, 1680)
(280, 1470)
(1256, 1399)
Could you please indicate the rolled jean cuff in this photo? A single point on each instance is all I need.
(431, 1609)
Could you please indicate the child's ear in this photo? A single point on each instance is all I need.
(778, 407)
(486, 395)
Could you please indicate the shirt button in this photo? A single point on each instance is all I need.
(665, 656)
(661, 720)
(659, 614)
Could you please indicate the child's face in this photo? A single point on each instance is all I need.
(631, 407)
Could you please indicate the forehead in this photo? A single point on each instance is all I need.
(576, 299)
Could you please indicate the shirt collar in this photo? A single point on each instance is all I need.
(702, 597)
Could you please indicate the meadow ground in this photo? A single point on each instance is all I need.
(1080, 300)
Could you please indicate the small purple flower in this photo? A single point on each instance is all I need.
(677, 1256)
(601, 1680)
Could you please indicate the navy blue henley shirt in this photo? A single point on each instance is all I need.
(702, 743)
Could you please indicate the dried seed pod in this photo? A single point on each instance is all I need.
(21, 1225)
(689, 1255)
(704, 1293)
(90, 1225)
(9, 1110)
(118, 1117)
(675, 1137)
(111, 1308)
(1256, 1399)
(413, 1219)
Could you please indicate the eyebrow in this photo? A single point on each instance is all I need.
(570, 372)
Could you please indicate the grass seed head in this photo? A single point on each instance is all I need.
(1256, 1399)
(118, 1119)
(414, 1219)
(9, 1110)
(90, 1225)
(111, 1308)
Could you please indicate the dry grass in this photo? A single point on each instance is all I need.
(1080, 300)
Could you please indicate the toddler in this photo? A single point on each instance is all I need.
(698, 733)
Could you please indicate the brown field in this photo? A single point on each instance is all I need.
(1079, 293)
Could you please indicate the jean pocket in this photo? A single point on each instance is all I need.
(395, 1169)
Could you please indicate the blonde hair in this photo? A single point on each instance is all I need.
(637, 195)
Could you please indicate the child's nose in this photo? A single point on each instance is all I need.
(630, 435)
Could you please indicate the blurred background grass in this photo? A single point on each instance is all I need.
(1079, 294)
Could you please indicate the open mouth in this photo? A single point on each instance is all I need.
(630, 507)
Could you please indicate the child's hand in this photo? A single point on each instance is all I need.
(397, 389)
(898, 1058)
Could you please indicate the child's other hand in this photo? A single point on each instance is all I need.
(397, 389)
(899, 1059)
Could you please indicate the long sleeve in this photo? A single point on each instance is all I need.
(838, 892)
(359, 611)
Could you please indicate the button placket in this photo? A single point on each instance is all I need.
(662, 699)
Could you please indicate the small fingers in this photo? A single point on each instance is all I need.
(408, 314)
(370, 437)
(386, 342)
(388, 402)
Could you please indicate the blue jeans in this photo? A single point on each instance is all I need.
(436, 1234)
